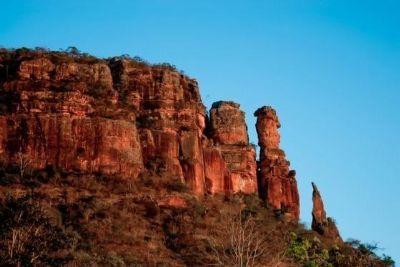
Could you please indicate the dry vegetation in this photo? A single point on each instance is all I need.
(53, 218)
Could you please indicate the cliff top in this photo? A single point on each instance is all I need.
(221, 103)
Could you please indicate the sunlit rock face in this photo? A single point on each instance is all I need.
(89, 145)
(125, 117)
(323, 225)
(216, 172)
(56, 111)
(115, 116)
(170, 119)
(277, 183)
(228, 132)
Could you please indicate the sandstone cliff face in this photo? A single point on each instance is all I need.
(277, 184)
(170, 119)
(228, 131)
(125, 117)
(94, 145)
(50, 116)
(122, 117)
(320, 223)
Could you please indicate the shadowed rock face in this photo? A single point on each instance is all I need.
(277, 184)
(320, 223)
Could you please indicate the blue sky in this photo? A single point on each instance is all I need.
(330, 68)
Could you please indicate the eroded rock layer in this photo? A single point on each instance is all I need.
(125, 117)
(277, 183)
(170, 119)
(228, 132)
(54, 112)
(120, 116)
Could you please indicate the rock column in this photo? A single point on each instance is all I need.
(229, 148)
(320, 223)
(277, 184)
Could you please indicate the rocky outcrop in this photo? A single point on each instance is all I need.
(170, 116)
(320, 223)
(126, 117)
(53, 113)
(120, 116)
(227, 124)
(277, 184)
(228, 132)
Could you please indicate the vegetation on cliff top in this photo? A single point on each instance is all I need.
(73, 54)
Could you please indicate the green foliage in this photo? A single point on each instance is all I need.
(298, 248)
(370, 251)
(167, 66)
(364, 248)
(309, 253)
(387, 260)
(73, 50)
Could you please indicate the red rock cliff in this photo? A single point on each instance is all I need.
(230, 145)
(170, 119)
(52, 111)
(277, 184)
(126, 117)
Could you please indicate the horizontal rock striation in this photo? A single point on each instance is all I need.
(53, 111)
(170, 119)
(120, 116)
(228, 132)
(127, 118)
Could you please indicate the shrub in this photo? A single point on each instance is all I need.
(112, 259)
(199, 209)
(242, 245)
(387, 260)
(364, 248)
(178, 186)
(253, 204)
(307, 252)
(28, 238)
(151, 209)
(298, 248)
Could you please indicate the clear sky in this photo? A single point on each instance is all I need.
(330, 68)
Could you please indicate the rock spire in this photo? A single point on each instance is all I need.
(277, 183)
(323, 225)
